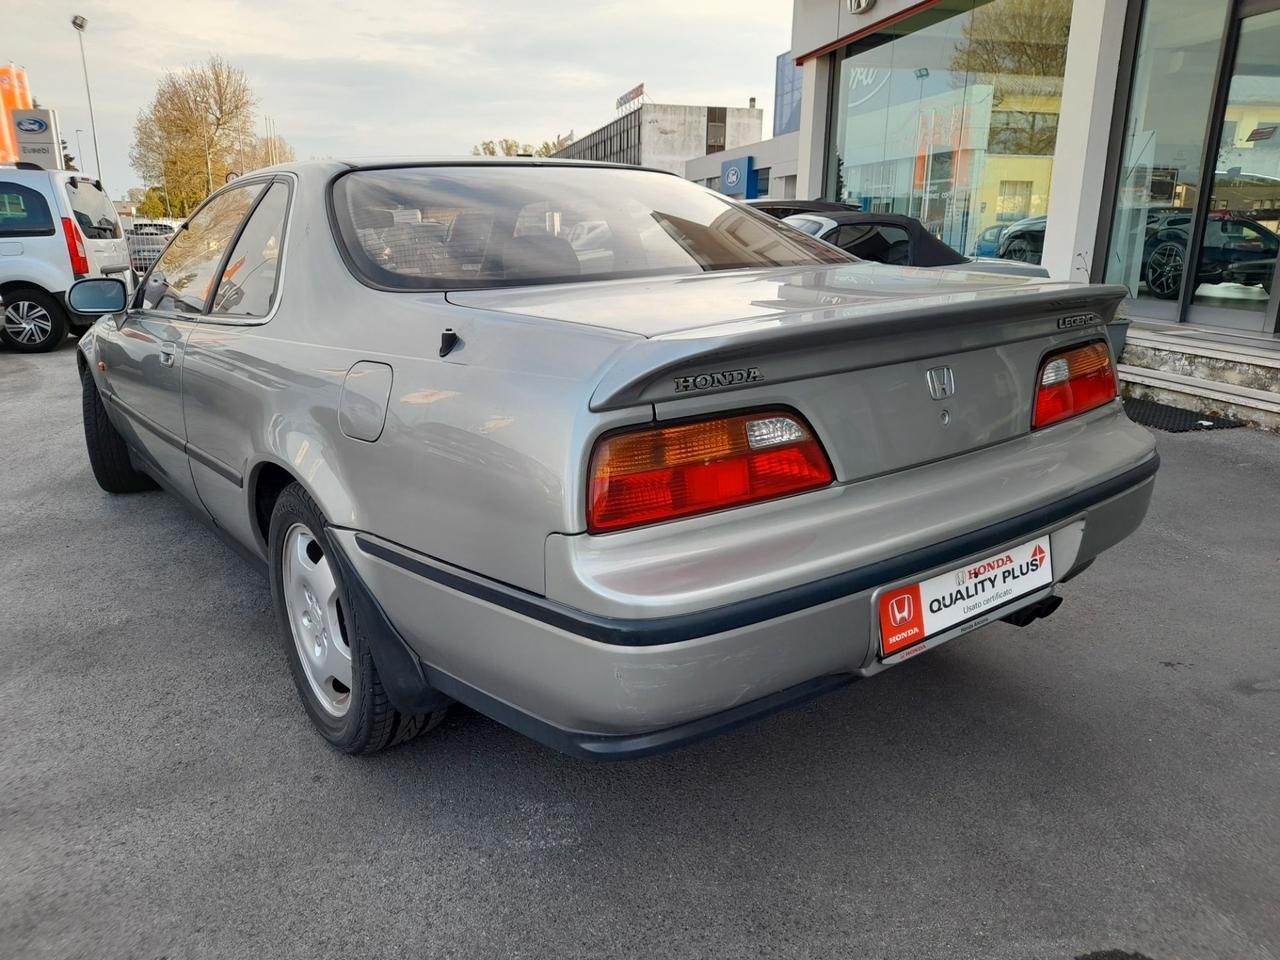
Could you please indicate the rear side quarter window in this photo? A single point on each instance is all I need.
(24, 212)
(251, 278)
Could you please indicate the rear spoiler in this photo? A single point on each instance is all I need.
(827, 338)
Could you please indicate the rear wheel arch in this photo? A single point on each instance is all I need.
(266, 482)
(267, 478)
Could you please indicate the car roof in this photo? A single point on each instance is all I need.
(376, 163)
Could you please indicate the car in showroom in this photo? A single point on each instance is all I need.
(1235, 249)
(899, 241)
(987, 243)
(56, 226)
(617, 502)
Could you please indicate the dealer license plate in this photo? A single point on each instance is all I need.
(912, 614)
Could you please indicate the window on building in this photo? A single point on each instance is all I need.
(1014, 201)
(1023, 133)
(762, 181)
(788, 83)
(1168, 125)
(931, 115)
(716, 119)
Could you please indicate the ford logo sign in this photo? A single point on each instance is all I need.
(31, 125)
(732, 176)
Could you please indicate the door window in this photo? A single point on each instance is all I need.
(94, 212)
(248, 284)
(23, 212)
(181, 280)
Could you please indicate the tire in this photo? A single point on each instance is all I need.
(1022, 250)
(33, 321)
(108, 453)
(363, 721)
(1164, 268)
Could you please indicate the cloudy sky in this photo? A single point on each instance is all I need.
(352, 77)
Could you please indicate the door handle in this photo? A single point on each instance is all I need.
(167, 352)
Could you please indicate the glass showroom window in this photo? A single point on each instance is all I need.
(951, 116)
(1163, 149)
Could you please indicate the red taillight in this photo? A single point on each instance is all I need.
(75, 248)
(653, 474)
(1072, 382)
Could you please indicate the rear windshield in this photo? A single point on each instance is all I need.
(490, 225)
(95, 214)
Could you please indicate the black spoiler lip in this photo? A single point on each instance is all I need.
(1011, 313)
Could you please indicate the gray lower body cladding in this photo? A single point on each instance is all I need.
(609, 688)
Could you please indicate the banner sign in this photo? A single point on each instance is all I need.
(37, 136)
(635, 93)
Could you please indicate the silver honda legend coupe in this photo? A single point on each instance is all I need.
(604, 455)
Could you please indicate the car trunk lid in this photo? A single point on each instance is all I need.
(893, 367)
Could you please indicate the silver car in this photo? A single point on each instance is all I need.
(618, 486)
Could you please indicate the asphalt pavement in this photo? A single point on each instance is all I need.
(1106, 780)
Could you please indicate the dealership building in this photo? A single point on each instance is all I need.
(664, 135)
(1134, 142)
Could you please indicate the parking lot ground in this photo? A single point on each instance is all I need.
(1108, 779)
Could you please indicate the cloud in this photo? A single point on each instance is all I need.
(362, 79)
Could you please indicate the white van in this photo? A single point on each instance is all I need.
(56, 227)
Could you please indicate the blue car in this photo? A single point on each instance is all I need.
(988, 241)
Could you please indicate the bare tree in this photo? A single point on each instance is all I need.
(1019, 49)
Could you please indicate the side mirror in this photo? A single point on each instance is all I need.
(97, 296)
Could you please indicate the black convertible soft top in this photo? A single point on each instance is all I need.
(926, 249)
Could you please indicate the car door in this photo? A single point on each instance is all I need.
(227, 378)
(142, 352)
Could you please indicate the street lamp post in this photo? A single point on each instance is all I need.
(80, 23)
(80, 148)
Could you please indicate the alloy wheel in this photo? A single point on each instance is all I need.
(315, 619)
(1164, 270)
(27, 322)
(1021, 251)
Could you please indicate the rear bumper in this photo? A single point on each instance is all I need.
(603, 686)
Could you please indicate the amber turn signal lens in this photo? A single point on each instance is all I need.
(654, 474)
(1073, 382)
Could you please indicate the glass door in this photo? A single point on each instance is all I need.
(1236, 232)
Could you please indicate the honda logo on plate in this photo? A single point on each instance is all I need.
(900, 610)
(942, 382)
